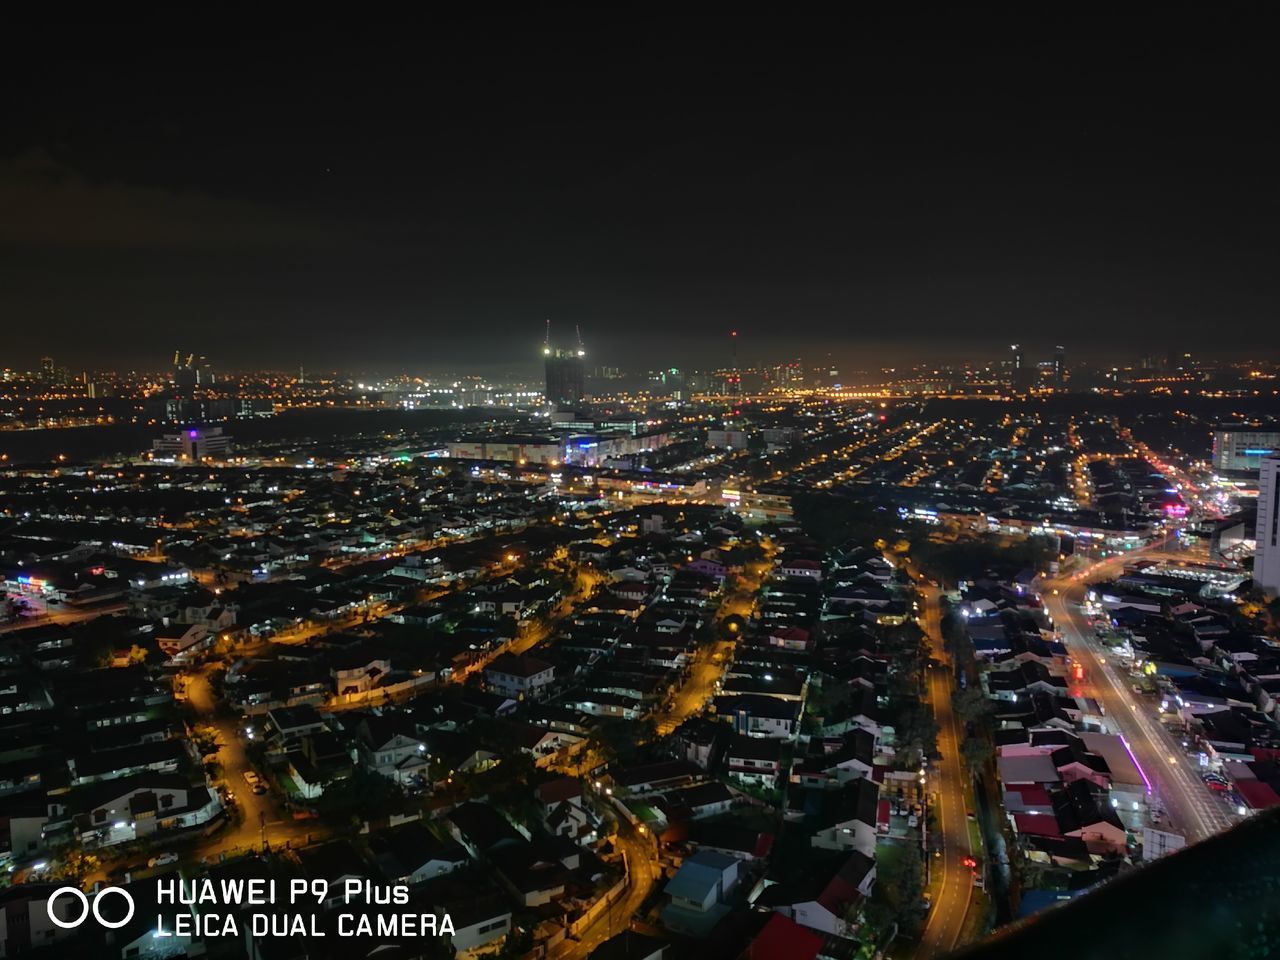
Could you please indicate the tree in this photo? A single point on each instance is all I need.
(971, 705)
(917, 732)
(620, 740)
(898, 892)
(976, 752)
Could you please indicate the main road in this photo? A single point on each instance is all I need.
(1190, 807)
(954, 889)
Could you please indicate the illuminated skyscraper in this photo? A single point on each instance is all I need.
(733, 382)
(1023, 377)
(566, 372)
(1059, 367)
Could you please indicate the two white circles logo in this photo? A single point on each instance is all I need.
(86, 908)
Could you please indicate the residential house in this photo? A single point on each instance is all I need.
(518, 676)
(698, 893)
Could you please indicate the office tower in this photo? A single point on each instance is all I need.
(47, 371)
(186, 374)
(674, 383)
(192, 445)
(733, 382)
(1266, 561)
(1243, 450)
(1059, 367)
(1022, 377)
(566, 372)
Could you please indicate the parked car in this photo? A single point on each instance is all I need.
(251, 778)
(162, 860)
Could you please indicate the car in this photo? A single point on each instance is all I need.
(162, 860)
(259, 788)
(913, 821)
(969, 814)
(251, 778)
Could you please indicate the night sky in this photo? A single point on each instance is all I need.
(425, 194)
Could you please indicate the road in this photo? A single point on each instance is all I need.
(259, 809)
(1190, 806)
(708, 666)
(711, 660)
(643, 872)
(64, 615)
(953, 881)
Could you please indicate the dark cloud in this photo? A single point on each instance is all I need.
(879, 188)
(45, 203)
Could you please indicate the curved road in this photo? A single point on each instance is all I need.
(643, 872)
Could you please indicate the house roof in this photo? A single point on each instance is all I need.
(514, 665)
(1033, 795)
(1257, 794)
(784, 939)
(406, 848)
(754, 748)
(628, 945)
(832, 882)
(483, 826)
(332, 861)
(1033, 769)
(1037, 824)
(558, 790)
(856, 800)
(694, 880)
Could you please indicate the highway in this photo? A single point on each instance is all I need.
(1190, 807)
(952, 881)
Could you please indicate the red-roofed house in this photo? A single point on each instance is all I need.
(1257, 795)
(783, 939)
(821, 899)
(1037, 824)
(1028, 799)
(790, 638)
(883, 809)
